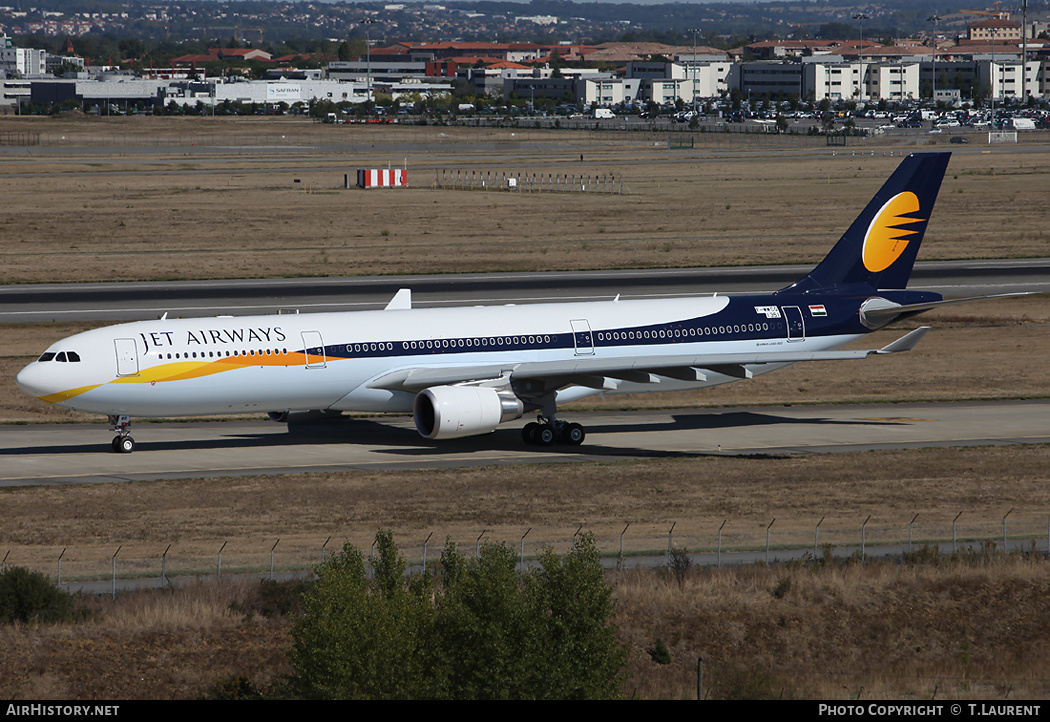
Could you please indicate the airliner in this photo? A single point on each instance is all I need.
(464, 371)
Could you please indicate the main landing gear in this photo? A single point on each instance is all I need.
(549, 431)
(122, 442)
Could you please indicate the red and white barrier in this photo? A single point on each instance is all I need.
(379, 178)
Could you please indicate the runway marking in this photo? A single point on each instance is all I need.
(893, 418)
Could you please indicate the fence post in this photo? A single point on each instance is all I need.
(271, 556)
(218, 568)
(113, 562)
(1004, 529)
(164, 567)
(816, 537)
(522, 551)
(863, 538)
(767, 538)
(619, 563)
(720, 541)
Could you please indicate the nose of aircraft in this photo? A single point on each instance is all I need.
(33, 380)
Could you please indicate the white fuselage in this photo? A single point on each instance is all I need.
(300, 362)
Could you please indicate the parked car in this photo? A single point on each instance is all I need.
(959, 140)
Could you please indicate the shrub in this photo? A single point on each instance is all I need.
(485, 631)
(27, 596)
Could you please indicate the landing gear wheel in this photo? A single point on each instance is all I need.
(123, 444)
(547, 432)
(574, 434)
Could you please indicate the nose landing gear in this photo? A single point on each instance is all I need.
(122, 443)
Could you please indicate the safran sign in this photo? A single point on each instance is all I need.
(276, 92)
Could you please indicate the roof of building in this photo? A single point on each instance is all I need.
(994, 23)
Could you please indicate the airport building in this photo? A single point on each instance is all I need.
(18, 62)
(121, 92)
(971, 68)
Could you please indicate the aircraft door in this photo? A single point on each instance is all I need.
(313, 346)
(582, 337)
(796, 326)
(127, 356)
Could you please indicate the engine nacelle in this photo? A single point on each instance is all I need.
(451, 412)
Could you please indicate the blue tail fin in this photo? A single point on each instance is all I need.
(879, 249)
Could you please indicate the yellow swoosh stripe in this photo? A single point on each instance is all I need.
(182, 370)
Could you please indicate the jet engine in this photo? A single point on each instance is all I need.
(451, 412)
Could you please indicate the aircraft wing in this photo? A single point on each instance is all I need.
(605, 373)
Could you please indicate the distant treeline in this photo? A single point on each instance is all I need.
(191, 27)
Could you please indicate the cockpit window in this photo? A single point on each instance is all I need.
(61, 356)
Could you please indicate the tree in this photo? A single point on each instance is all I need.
(481, 618)
(361, 639)
(483, 630)
(570, 604)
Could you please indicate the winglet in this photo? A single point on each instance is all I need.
(906, 342)
(402, 301)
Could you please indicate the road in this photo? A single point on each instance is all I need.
(143, 300)
(79, 453)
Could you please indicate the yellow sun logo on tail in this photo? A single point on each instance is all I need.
(885, 240)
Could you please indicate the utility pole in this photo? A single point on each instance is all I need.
(861, 17)
(936, 19)
(368, 59)
(692, 68)
(1024, 52)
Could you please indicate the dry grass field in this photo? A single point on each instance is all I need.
(201, 208)
(970, 627)
(136, 198)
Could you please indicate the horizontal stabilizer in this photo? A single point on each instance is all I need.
(874, 314)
